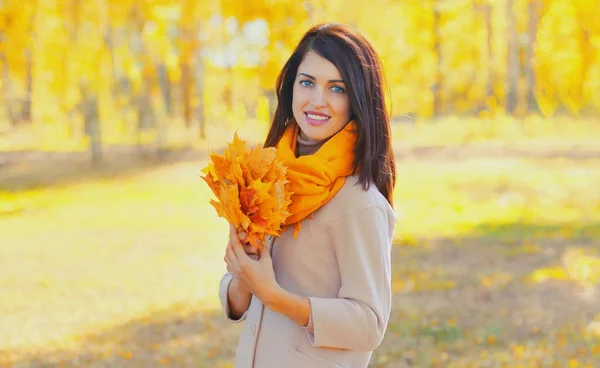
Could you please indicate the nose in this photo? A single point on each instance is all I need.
(318, 98)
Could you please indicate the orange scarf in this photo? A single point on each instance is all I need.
(315, 179)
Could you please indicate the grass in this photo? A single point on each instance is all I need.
(83, 257)
(121, 268)
(530, 132)
(56, 138)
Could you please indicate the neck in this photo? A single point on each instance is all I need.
(307, 146)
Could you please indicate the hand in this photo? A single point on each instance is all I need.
(253, 272)
(252, 251)
(230, 257)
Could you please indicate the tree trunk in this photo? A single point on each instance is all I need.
(200, 92)
(90, 112)
(74, 78)
(186, 92)
(532, 27)
(587, 51)
(29, 93)
(6, 97)
(185, 64)
(163, 84)
(437, 86)
(29, 55)
(512, 75)
(145, 109)
(109, 40)
(91, 120)
(489, 94)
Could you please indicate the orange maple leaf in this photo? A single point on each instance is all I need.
(250, 186)
(247, 201)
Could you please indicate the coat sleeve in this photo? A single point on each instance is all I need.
(224, 298)
(357, 319)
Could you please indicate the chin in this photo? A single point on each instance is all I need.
(315, 134)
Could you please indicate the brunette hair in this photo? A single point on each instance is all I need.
(360, 66)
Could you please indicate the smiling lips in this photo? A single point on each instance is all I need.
(316, 118)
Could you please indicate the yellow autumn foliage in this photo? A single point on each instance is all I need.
(124, 72)
(578, 265)
(251, 189)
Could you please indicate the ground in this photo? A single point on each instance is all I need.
(495, 262)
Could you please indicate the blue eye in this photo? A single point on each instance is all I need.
(306, 83)
(338, 89)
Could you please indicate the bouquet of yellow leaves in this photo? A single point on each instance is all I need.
(251, 189)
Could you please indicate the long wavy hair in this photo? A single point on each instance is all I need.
(358, 63)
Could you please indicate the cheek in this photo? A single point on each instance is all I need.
(299, 98)
(342, 106)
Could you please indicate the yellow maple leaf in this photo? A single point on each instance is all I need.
(251, 189)
(260, 160)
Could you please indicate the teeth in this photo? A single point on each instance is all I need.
(317, 117)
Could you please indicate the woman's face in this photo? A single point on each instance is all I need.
(320, 102)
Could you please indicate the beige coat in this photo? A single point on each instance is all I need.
(340, 260)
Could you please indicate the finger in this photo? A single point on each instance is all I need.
(231, 256)
(231, 270)
(232, 232)
(228, 266)
(233, 238)
(229, 245)
(236, 236)
(228, 251)
(238, 249)
(233, 265)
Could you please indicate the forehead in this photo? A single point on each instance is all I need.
(319, 67)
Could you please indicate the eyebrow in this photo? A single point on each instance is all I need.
(313, 78)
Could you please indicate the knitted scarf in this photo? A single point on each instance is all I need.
(315, 179)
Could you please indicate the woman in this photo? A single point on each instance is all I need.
(319, 295)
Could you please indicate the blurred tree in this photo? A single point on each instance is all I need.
(16, 29)
(530, 58)
(102, 72)
(489, 87)
(437, 86)
(589, 33)
(512, 62)
(188, 33)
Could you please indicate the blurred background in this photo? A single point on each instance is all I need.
(79, 75)
(110, 254)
